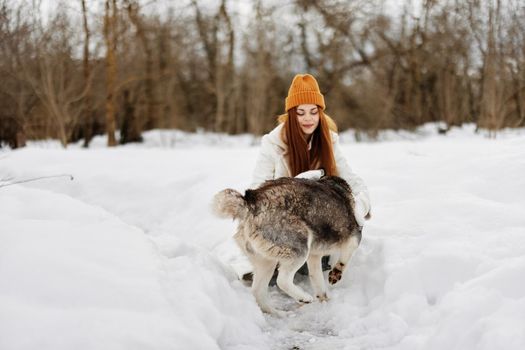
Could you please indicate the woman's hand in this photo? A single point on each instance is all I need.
(311, 174)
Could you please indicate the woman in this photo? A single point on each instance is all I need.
(305, 145)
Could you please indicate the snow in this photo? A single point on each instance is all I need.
(129, 256)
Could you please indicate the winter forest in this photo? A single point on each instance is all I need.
(74, 69)
(121, 121)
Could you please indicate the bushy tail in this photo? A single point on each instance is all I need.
(229, 204)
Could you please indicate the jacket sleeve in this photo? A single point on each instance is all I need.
(359, 189)
(265, 165)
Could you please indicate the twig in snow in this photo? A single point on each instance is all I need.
(36, 179)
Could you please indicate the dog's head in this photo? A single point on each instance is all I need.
(340, 186)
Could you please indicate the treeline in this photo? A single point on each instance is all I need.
(120, 67)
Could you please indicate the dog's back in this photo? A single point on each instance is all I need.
(284, 212)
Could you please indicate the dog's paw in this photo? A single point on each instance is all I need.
(306, 299)
(322, 297)
(335, 275)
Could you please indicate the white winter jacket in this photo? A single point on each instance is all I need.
(272, 164)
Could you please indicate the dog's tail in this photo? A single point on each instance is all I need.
(229, 204)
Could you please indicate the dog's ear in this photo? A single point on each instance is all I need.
(337, 181)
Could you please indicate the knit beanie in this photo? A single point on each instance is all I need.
(304, 90)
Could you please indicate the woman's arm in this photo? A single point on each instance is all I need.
(265, 165)
(359, 189)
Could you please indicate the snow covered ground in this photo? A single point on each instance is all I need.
(128, 255)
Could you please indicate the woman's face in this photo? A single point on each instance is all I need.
(308, 118)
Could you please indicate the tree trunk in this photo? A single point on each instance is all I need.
(135, 17)
(129, 131)
(88, 111)
(111, 69)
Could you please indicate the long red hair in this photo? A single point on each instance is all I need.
(320, 155)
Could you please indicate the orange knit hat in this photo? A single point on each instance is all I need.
(304, 90)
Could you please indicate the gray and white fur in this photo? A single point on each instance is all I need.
(287, 222)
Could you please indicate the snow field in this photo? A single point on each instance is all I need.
(129, 256)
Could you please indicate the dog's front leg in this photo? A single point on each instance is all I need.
(316, 276)
(347, 249)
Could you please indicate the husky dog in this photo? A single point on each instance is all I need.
(287, 222)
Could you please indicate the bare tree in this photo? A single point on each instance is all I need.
(53, 76)
(86, 67)
(218, 39)
(141, 29)
(110, 23)
(16, 96)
